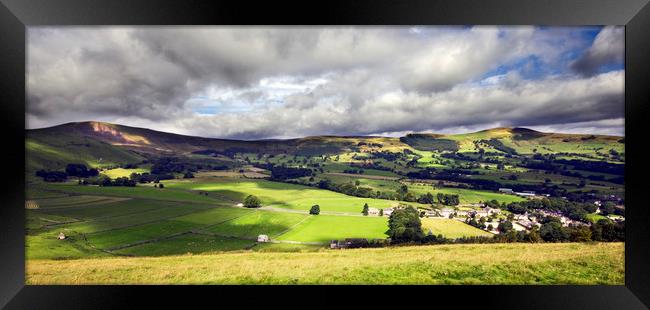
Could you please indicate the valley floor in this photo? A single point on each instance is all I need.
(551, 263)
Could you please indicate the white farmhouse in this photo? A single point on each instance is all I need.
(446, 212)
(373, 211)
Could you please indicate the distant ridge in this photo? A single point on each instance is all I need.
(104, 144)
(514, 130)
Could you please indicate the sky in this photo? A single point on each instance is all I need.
(284, 82)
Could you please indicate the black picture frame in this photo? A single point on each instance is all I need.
(16, 15)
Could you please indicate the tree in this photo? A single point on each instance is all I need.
(581, 234)
(504, 227)
(252, 202)
(440, 197)
(381, 212)
(533, 236)
(552, 231)
(315, 210)
(607, 208)
(403, 190)
(365, 209)
(161, 185)
(404, 225)
(76, 170)
(409, 197)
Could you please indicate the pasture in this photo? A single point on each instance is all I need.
(283, 195)
(451, 228)
(122, 172)
(323, 228)
(520, 264)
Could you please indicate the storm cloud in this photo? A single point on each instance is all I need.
(607, 48)
(278, 82)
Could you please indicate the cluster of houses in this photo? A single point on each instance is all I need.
(385, 212)
(481, 212)
(522, 193)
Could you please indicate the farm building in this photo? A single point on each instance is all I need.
(461, 213)
(262, 238)
(240, 204)
(373, 211)
(61, 236)
(388, 212)
(506, 190)
(430, 213)
(525, 194)
(446, 212)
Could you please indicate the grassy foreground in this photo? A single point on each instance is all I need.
(553, 263)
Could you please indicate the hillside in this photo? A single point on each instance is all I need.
(560, 263)
(101, 144)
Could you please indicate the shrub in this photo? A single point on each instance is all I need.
(252, 202)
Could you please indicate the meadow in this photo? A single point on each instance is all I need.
(519, 264)
(283, 195)
(451, 228)
(123, 172)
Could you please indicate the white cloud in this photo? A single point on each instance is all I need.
(261, 82)
(607, 48)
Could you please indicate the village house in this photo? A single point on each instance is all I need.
(516, 226)
(388, 212)
(461, 213)
(477, 213)
(61, 236)
(373, 211)
(445, 212)
(262, 238)
(494, 224)
(430, 213)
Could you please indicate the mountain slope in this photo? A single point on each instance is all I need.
(101, 144)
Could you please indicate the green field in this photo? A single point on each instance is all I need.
(323, 228)
(258, 223)
(451, 228)
(192, 243)
(531, 264)
(465, 195)
(121, 172)
(140, 191)
(283, 195)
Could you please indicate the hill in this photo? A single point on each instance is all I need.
(100, 144)
(557, 263)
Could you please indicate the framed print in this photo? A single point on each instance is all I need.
(473, 149)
